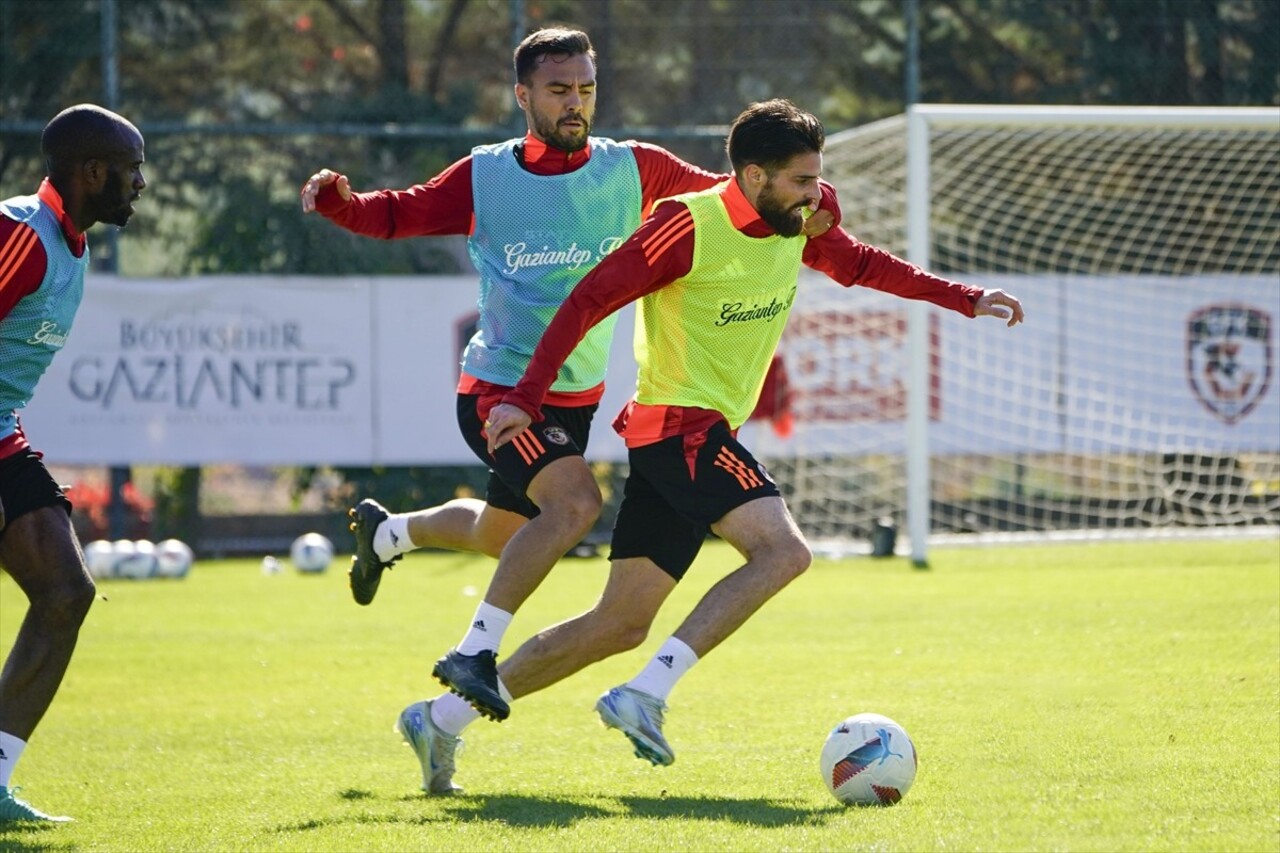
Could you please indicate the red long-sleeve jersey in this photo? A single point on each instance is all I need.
(443, 205)
(661, 251)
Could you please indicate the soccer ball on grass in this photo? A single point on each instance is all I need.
(868, 760)
(311, 553)
(175, 558)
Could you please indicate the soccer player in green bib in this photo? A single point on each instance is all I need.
(715, 273)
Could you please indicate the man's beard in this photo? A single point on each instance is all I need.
(113, 203)
(787, 221)
(558, 139)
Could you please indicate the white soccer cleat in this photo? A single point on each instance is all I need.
(435, 749)
(639, 716)
(14, 809)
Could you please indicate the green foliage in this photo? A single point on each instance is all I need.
(1101, 697)
(177, 504)
(242, 100)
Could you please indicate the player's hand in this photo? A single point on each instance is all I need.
(505, 422)
(321, 178)
(997, 303)
(819, 223)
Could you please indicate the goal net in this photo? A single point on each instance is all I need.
(1140, 393)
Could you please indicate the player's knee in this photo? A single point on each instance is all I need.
(579, 511)
(793, 557)
(67, 602)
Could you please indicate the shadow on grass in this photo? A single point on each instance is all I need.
(517, 810)
(26, 837)
(754, 812)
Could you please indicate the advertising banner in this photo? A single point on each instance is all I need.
(271, 371)
(356, 371)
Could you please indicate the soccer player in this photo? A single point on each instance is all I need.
(716, 274)
(540, 211)
(94, 159)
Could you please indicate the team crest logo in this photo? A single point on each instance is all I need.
(1229, 358)
(555, 435)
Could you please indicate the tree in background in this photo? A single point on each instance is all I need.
(242, 99)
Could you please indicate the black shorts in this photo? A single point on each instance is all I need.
(563, 431)
(26, 485)
(677, 489)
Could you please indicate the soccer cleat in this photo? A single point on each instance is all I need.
(474, 678)
(435, 748)
(639, 716)
(12, 809)
(366, 568)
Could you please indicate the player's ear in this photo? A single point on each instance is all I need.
(93, 172)
(522, 96)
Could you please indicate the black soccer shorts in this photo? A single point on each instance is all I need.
(677, 489)
(26, 485)
(563, 431)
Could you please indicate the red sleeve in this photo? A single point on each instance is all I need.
(849, 261)
(22, 263)
(663, 174)
(659, 252)
(441, 206)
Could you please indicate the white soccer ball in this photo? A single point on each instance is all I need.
(311, 553)
(175, 558)
(868, 760)
(136, 560)
(100, 559)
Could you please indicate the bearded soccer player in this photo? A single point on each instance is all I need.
(529, 206)
(94, 159)
(716, 274)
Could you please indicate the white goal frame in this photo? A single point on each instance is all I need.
(920, 120)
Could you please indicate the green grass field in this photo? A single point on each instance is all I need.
(1101, 697)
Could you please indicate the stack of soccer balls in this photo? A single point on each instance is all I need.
(868, 760)
(138, 559)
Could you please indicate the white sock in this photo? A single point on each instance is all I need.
(485, 633)
(391, 539)
(664, 669)
(452, 713)
(10, 751)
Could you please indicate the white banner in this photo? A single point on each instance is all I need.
(271, 371)
(356, 371)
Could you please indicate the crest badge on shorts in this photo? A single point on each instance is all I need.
(556, 435)
(1229, 358)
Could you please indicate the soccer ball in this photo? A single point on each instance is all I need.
(100, 559)
(175, 558)
(868, 760)
(135, 560)
(311, 553)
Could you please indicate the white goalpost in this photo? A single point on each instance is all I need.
(1141, 393)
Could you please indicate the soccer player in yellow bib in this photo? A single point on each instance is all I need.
(715, 272)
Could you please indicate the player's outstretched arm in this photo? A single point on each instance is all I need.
(997, 303)
(320, 179)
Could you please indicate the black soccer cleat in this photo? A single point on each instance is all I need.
(366, 568)
(474, 678)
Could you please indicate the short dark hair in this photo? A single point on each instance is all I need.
(84, 132)
(550, 41)
(770, 133)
